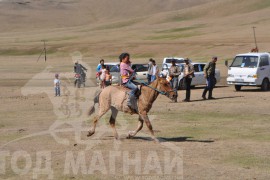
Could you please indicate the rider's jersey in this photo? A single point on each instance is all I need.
(125, 71)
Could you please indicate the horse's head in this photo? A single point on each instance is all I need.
(165, 87)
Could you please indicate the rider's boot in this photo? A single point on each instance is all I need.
(132, 103)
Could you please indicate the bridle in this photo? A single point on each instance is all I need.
(166, 93)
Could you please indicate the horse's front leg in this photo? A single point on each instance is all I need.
(102, 111)
(149, 125)
(140, 126)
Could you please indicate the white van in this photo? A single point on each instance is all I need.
(250, 69)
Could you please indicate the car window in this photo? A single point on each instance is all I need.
(196, 68)
(264, 61)
(202, 67)
(108, 66)
(181, 66)
(177, 61)
(245, 61)
(115, 68)
(141, 67)
(165, 67)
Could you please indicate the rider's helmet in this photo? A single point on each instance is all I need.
(56, 75)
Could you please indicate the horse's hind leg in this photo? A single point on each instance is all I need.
(112, 121)
(95, 120)
(140, 126)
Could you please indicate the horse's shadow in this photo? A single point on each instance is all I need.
(173, 139)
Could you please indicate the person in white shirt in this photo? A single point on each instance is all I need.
(155, 71)
(150, 70)
(188, 75)
(57, 85)
(102, 76)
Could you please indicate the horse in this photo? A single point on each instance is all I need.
(115, 98)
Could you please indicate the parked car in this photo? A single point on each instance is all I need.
(199, 75)
(141, 72)
(250, 69)
(112, 66)
(168, 61)
(109, 65)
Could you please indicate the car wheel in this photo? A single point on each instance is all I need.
(182, 85)
(237, 87)
(265, 85)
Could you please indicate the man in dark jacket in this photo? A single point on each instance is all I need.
(79, 69)
(209, 74)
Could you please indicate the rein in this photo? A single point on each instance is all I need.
(140, 81)
(159, 91)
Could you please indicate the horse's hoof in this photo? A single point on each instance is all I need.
(116, 137)
(156, 140)
(130, 134)
(90, 133)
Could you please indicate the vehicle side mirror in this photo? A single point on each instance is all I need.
(226, 63)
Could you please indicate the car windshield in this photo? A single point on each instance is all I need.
(181, 67)
(140, 67)
(109, 66)
(177, 61)
(245, 61)
(115, 68)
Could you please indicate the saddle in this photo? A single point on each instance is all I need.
(134, 101)
(127, 90)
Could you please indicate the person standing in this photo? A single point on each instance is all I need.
(102, 76)
(188, 75)
(57, 85)
(209, 74)
(155, 71)
(108, 78)
(174, 72)
(150, 70)
(99, 66)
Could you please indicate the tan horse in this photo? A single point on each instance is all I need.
(115, 97)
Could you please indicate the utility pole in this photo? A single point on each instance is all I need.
(43, 51)
(255, 37)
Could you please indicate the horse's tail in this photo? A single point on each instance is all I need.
(96, 100)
